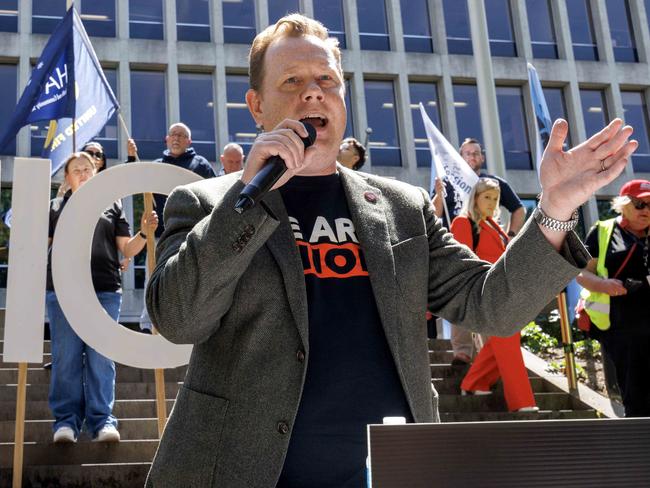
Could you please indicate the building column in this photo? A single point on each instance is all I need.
(486, 90)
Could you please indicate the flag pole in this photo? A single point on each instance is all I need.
(159, 374)
(567, 342)
(19, 437)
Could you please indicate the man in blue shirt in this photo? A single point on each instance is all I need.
(472, 152)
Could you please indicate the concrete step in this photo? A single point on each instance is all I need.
(451, 386)
(496, 403)
(124, 374)
(41, 430)
(441, 357)
(123, 391)
(123, 409)
(130, 451)
(439, 345)
(501, 416)
(118, 475)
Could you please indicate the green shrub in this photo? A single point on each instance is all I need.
(536, 340)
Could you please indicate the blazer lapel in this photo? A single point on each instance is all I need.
(283, 247)
(368, 212)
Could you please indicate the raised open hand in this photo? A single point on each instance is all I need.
(569, 178)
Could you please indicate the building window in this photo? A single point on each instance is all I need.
(330, 13)
(98, 17)
(349, 126)
(148, 112)
(373, 25)
(146, 19)
(280, 8)
(502, 40)
(636, 115)
(108, 135)
(542, 32)
(241, 126)
(193, 20)
(594, 110)
(582, 30)
(196, 97)
(514, 132)
(468, 112)
(8, 99)
(382, 118)
(238, 21)
(46, 14)
(459, 35)
(427, 94)
(620, 28)
(557, 108)
(416, 26)
(9, 15)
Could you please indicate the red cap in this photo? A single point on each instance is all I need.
(636, 189)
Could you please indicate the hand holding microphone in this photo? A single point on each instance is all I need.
(272, 154)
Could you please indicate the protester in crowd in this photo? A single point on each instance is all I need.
(352, 154)
(617, 281)
(178, 153)
(96, 151)
(500, 357)
(472, 152)
(232, 158)
(82, 385)
(307, 312)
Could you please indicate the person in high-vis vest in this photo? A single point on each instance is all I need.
(617, 292)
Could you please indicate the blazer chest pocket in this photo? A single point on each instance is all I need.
(412, 272)
(188, 451)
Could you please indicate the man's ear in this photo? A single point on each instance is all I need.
(254, 102)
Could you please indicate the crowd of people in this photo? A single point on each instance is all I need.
(335, 271)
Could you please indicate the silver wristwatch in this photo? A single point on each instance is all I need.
(557, 225)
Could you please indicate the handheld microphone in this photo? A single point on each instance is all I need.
(270, 173)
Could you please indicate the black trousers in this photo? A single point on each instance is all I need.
(631, 357)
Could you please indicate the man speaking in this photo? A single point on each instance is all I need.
(307, 311)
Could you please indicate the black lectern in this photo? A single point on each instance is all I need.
(613, 453)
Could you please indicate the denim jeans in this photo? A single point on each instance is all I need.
(82, 384)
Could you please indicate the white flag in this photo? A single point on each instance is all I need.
(446, 161)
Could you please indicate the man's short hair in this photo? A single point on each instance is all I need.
(361, 152)
(232, 145)
(294, 25)
(470, 140)
(183, 126)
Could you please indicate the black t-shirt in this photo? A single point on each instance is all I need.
(104, 261)
(628, 313)
(508, 198)
(351, 377)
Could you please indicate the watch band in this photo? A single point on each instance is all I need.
(144, 236)
(557, 225)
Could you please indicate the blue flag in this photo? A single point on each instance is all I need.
(543, 128)
(68, 88)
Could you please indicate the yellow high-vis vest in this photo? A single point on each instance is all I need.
(597, 304)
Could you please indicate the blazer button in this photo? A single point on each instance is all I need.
(300, 356)
(283, 428)
(249, 230)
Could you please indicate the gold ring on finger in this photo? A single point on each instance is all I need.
(602, 165)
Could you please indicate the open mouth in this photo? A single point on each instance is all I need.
(315, 122)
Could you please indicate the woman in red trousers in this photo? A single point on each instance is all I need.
(500, 357)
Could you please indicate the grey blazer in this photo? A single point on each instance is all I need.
(233, 285)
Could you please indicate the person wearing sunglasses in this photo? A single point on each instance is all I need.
(617, 292)
(96, 152)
